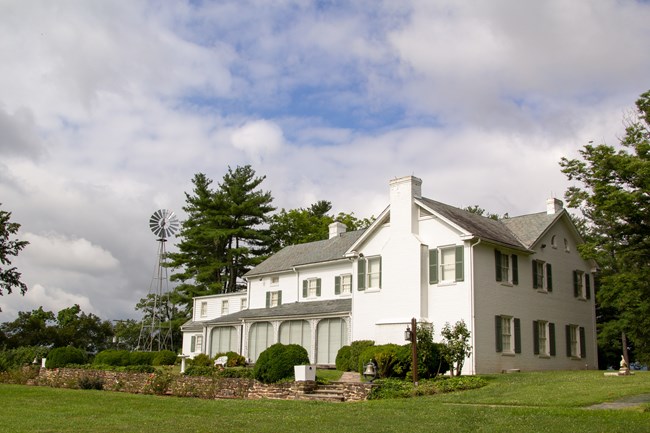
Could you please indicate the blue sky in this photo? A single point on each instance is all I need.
(108, 109)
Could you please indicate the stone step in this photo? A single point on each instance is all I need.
(321, 397)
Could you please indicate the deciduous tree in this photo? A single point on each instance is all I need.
(9, 275)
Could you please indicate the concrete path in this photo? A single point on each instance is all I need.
(627, 402)
(350, 377)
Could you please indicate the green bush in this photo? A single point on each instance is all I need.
(164, 357)
(200, 370)
(14, 358)
(141, 358)
(234, 359)
(237, 373)
(391, 359)
(343, 359)
(277, 362)
(202, 360)
(113, 357)
(62, 356)
(89, 382)
(356, 347)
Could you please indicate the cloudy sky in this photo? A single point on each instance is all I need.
(108, 109)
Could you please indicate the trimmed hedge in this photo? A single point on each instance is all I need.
(277, 362)
(123, 358)
(165, 357)
(356, 347)
(15, 358)
(202, 360)
(392, 360)
(62, 356)
(343, 359)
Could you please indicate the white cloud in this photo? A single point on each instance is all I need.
(258, 138)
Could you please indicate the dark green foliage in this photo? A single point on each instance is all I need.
(90, 382)
(200, 370)
(202, 360)
(396, 388)
(237, 372)
(613, 195)
(165, 357)
(430, 359)
(277, 362)
(234, 359)
(9, 276)
(456, 347)
(356, 347)
(392, 360)
(62, 356)
(343, 359)
(113, 357)
(141, 358)
(21, 356)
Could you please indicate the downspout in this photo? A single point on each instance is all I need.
(471, 303)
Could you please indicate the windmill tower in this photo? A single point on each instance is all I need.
(154, 334)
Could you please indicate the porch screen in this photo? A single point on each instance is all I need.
(296, 332)
(260, 337)
(331, 335)
(224, 339)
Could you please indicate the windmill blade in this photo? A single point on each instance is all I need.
(163, 223)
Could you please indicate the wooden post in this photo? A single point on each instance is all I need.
(414, 350)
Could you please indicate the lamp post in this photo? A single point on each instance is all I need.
(411, 335)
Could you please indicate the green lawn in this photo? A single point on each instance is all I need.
(533, 402)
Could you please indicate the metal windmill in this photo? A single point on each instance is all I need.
(154, 335)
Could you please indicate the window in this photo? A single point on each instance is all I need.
(553, 242)
(275, 281)
(369, 273)
(343, 284)
(273, 299)
(311, 288)
(224, 307)
(566, 245)
(204, 309)
(506, 267)
(543, 338)
(196, 343)
(446, 264)
(244, 303)
(581, 285)
(575, 341)
(508, 334)
(542, 276)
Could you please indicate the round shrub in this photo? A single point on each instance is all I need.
(343, 359)
(141, 358)
(235, 359)
(392, 360)
(356, 347)
(277, 362)
(62, 356)
(164, 357)
(115, 358)
(202, 360)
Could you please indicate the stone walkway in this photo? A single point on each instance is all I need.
(350, 377)
(635, 400)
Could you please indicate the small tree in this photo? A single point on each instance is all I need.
(9, 276)
(456, 346)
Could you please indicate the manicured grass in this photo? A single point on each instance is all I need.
(328, 375)
(534, 402)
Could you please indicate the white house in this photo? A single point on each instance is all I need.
(518, 283)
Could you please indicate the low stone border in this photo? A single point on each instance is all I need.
(190, 386)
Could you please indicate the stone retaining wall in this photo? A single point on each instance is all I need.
(189, 386)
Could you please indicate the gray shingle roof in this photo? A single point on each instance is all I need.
(528, 228)
(298, 309)
(482, 227)
(302, 254)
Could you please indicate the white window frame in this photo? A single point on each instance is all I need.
(243, 304)
(225, 307)
(544, 341)
(574, 333)
(204, 309)
(346, 284)
(580, 280)
(507, 335)
(312, 287)
(373, 273)
(275, 299)
(541, 274)
(447, 271)
(198, 345)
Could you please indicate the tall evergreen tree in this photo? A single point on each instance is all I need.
(613, 195)
(222, 237)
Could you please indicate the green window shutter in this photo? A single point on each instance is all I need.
(268, 299)
(583, 343)
(460, 271)
(279, 297)
(361, 274)
(551, 337)
(576, 289)
(568, 340)
(535, 337)
(497, 264)
(588, 285)
(517, 335)
(433, 266)
(193, 344)
(305, 288)
(549, 277)
(498, 333)
(535, 274)
(515, 269)
(318, 287)
(337, 285)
